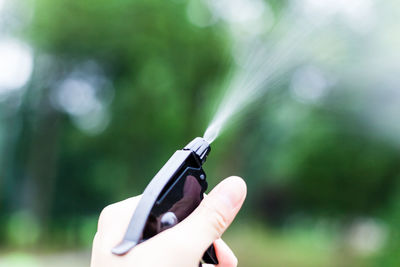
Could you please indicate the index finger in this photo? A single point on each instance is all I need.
(114, 220)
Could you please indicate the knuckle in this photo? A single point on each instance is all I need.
(217, 219)
(219, 224)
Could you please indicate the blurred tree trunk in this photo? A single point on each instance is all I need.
(40, 172)
(10, 133)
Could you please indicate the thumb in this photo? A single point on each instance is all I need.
(213, 216)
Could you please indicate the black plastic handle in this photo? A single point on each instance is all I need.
(175, 191)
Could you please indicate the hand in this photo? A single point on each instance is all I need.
(182, 245)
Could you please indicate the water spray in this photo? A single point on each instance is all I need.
(263, 65)
(178, 188)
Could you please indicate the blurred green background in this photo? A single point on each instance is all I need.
(96, 95)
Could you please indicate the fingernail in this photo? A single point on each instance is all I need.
(232, 191)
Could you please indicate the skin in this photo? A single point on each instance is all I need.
(181, 245)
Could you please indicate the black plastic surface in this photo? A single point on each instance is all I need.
(175, 191)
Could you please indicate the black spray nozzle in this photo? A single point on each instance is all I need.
(200, 147)
(174, 192)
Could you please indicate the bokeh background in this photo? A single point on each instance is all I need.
(96, 95)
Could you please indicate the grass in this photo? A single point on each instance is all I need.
(254, 245)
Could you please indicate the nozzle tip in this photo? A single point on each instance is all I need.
(200, 147)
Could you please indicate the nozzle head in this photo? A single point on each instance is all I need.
(200, 147)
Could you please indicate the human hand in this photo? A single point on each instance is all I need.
(182, 245)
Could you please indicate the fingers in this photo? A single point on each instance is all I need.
(211, 218)
(184, 243)
(225, 255)
(111, 227)
(114, 220)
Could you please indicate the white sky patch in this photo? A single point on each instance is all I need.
(93, 122)
(16, 65)
(79, 98)
(367, 236)
(309, 85)
(2, 3)
(76, 97)
(85, 95)
(238, 11)
(243, 17)
(358, 14)
(382, 111)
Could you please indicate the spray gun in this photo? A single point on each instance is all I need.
(175, 191)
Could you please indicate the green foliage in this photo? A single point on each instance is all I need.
(163, 75)
(160, 66)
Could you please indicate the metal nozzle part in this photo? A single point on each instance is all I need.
(200, 147)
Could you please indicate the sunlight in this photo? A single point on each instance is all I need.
(16, 65)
